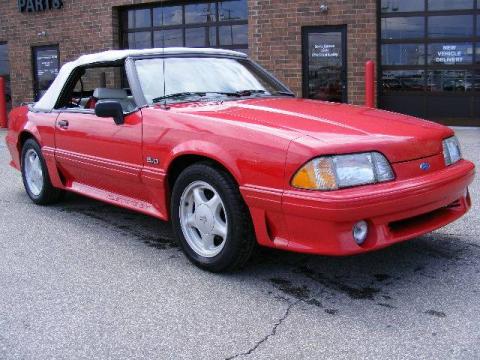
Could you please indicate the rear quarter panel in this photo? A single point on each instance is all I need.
(40, 126)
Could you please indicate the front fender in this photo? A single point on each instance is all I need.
(206, 149)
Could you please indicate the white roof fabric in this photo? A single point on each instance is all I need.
(48, 100)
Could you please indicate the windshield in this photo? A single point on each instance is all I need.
(189, 78)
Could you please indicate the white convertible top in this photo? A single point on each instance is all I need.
(48, 100)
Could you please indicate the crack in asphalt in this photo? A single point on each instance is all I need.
(273, 332)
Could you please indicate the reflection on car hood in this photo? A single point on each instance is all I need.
(337, 126)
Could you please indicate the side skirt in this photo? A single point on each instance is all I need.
(116, 199)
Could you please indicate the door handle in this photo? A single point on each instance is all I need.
(63, 124)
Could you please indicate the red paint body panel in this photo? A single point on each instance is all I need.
(262, 143)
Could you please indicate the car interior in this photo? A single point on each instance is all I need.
(94, 85)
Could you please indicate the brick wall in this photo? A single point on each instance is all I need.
(87, 26)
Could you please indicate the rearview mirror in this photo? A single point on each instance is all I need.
(110, 109)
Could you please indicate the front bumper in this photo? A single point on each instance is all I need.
(321, 222)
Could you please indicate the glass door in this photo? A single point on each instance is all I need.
(324, 63)
(46, 63)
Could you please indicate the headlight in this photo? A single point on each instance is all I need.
(451, 151)
(336, 172)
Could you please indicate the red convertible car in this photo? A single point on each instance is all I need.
(211, 141)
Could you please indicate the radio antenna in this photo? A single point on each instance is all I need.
(163, 58)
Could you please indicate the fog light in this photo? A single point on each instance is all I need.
(360, 232)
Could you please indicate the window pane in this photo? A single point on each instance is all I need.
(213, 36)
(450, 54)
(200, 13)
(199, 37)
(403, 54)
(233, 35)
(233, 10)
(450, 26)
(173, 37)
(403, 80)
(140, 40)
(403, 27)
(172, 15)
(449, 4)
(450, 80)
(476, 84)
(389, 6)
(139, 18)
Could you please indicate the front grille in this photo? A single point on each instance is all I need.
(406, 225)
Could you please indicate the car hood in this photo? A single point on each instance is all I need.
(338, 128)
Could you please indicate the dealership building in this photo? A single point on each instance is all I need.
(427, 51)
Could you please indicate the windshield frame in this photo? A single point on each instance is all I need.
(136, 87)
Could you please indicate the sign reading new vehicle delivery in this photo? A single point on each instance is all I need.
(38, 5)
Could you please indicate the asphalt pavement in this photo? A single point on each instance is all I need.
(85, 280)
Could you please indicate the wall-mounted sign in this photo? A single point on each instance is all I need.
(38, 5)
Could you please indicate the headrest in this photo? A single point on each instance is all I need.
(104, 93)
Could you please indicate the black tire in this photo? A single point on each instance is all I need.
(240, 241)
(48, 194)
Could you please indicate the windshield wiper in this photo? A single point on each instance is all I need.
(178, 95)
(248, 92)
(286, 93)
(258, 91)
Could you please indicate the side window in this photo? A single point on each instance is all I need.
(98, 84)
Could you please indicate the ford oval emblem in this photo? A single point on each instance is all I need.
(425, 166)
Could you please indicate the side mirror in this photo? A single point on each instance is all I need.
(110, 109)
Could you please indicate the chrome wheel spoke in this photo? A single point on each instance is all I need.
(214, 203)
(190, 220)
(36, 163)
(220, 229)
(208, 240)
(199, 197)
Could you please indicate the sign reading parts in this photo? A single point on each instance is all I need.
(38, 5)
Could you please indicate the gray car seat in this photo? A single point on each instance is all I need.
(118, 95)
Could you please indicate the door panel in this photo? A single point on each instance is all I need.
(324, 63)
(96, 152)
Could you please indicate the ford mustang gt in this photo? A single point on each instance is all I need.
(211, 141)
